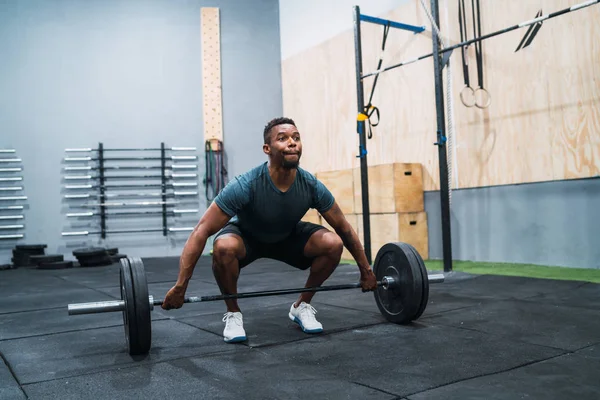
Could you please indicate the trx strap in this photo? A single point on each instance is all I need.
(467, 94)
(370, 109)
(479, 55)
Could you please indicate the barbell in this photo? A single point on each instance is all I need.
(401, 296)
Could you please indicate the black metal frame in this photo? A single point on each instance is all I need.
(438, 66)
(441, 136)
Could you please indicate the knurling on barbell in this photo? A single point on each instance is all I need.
(401, 296)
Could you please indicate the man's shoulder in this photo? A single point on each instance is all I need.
(308, 176)
(251, 174)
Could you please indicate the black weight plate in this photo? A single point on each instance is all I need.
(400, 303)
(129, 313)
(31, 246)
(142, 308)
(90, 252)
(56, 265)
(27, 253)
(425, 277)
(47, 258)
(22, 262)
(112, 251)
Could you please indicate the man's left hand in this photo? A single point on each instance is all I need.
(368, 281)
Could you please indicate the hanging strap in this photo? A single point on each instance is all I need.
(370, 109)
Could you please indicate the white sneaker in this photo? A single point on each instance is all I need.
(234, 327)
(304, 315)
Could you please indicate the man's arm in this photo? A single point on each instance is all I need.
(335, 217)
(211, 222)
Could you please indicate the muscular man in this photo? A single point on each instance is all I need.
(258, 215)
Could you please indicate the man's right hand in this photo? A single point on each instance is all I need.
(174, 298)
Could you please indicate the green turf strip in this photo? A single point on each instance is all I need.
(526, 270)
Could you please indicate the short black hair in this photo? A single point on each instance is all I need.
(273, 123)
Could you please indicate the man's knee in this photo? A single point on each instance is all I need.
(333, 246)
(226, 250)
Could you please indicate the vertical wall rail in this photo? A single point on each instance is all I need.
(163, 176)
(102, 188)
(441, 142)
(364, 176)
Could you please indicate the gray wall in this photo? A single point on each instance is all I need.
(126, 73)
(549, 223)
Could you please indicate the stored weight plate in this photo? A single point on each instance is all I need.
(47, 258)
(56, 265)
(90, 252)
(129, 317)
(400, 303)
(27, 247)
(142, 308)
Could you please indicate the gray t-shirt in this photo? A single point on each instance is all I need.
(258, 208)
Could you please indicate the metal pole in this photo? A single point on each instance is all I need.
(364, 178)
(164, 182)
(441, 143)
(102, 189)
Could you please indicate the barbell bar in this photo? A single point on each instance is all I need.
(17, 236)
(6, 208)
(106, 195)
(131, 167)
(97, 307)
(115, 231)
(11, 198)
(170, 213)
(133, 185)
(401, 296)
(174, 158)
(90, 177)
(89, 149)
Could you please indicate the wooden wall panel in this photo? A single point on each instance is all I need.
(543, 122)
(211, 73)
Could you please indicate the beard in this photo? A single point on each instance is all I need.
(290, 164)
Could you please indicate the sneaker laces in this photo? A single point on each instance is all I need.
(236, 317)
(307, 310)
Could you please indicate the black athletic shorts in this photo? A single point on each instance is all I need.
(290, 250)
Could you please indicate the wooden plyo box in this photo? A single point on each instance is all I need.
(409, 228)
(313, 216)
(341, 185)
(393, 188)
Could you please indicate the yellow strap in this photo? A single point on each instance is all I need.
(362, 117)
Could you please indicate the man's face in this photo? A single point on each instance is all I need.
(285, 147)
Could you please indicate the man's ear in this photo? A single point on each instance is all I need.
(266, 149)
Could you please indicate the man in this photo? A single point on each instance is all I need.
(258, 215)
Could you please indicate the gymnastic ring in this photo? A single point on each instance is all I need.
(462, 94)
(489, 98)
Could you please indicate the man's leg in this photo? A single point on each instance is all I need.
(321, 252)
(326, 247)
(228, 250)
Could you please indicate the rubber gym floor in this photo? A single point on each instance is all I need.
(481, 337)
